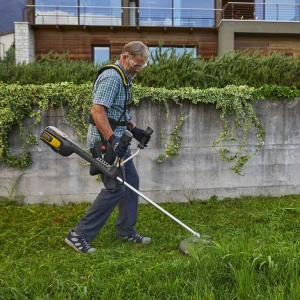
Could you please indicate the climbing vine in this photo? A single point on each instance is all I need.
(234, 103)
(172, 148)
(237, 114)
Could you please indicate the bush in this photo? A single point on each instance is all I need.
(51, 68)
(230, 82)
(233, 68)
(167, 69)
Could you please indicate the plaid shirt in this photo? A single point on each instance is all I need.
(109, 91)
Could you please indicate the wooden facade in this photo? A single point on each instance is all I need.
(267, 44)
(79, 41)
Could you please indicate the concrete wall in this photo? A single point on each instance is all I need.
(197, 173)
(228, 28)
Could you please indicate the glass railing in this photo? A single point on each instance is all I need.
(177, 17)
(158, 17)
(118, 16)
(261, 11)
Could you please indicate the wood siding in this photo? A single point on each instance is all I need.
(79, 41)
(268, 43)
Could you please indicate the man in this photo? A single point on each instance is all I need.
(109, 97)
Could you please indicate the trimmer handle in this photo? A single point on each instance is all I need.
(141, 144)
(126, 137)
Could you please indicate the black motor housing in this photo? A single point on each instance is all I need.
(108, 155)
(60, 143)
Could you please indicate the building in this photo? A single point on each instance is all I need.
(93, 30)
(6, 41)
(10, 11)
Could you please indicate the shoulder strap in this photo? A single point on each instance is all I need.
(117, 68)
(113, 123)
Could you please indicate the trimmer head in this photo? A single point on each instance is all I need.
(192, 244)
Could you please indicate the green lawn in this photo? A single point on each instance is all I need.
(255, 253)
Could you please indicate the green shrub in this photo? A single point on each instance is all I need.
(233, 68)
(51, 68)
(230, 82)
(167, 69)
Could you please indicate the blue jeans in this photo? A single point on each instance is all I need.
(113, 194)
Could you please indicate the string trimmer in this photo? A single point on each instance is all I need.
(60, 143)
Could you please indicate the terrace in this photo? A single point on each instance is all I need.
(118, 16)
(158, 17)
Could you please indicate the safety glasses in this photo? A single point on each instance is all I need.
(135, 65)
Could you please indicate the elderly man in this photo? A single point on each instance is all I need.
(111, 116)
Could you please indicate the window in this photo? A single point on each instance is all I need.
(91, 12)
(179, 50)
(101, 55)
(156, 12)
(188, 13)
(113, 3)
(284, 10)
(194, 13)
(57, 2)
(100, 12)
(56, 12)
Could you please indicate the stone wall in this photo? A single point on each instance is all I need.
(24, 42)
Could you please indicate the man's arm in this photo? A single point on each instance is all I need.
(99, 115)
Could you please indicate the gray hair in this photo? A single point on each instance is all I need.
(137, 48)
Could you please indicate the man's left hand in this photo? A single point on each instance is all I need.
(138, 134)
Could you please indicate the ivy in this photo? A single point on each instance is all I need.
(172, 148)
(234, 103)
(29, 101)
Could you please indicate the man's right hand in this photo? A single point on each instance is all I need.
(119, 147)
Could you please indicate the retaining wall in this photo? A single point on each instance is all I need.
(197, 173)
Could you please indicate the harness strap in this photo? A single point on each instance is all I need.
(113, 123)
(117, 68)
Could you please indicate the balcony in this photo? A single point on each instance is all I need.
(158, 17)
(119, 16)
(261, 11)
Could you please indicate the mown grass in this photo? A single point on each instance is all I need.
(254, 255)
